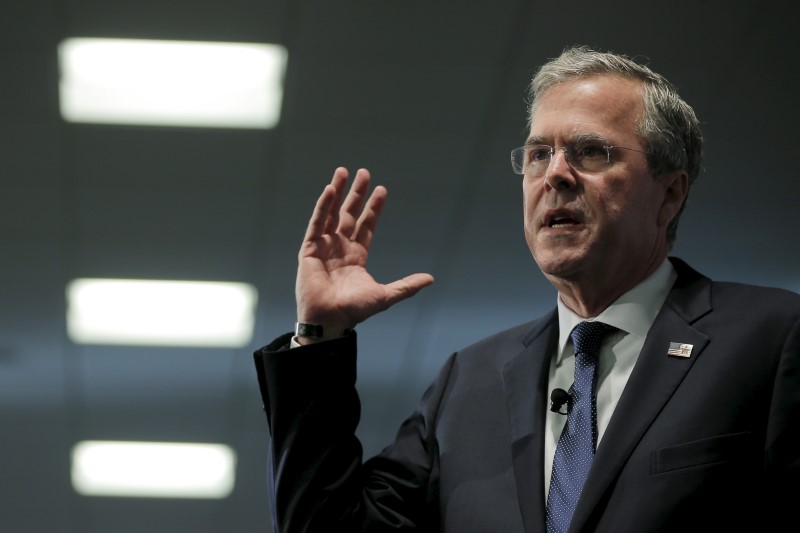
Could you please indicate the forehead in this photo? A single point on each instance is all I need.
(603, 105)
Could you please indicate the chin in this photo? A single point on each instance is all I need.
(560, 263)
(558, 268)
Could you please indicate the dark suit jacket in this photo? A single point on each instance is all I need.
(709, 442)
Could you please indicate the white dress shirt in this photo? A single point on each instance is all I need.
(632, 313)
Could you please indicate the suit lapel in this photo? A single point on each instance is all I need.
(525, 384)
(654, 379)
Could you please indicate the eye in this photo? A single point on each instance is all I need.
(538, 153)
(591, 152)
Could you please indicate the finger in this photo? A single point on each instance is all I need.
(327, 206)
(368, 221)
(353, 203)
(339, 183)
(322, 212)
(407, 287)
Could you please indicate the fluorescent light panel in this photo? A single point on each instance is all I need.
(153, 469)
(160, 312)
(171, 83)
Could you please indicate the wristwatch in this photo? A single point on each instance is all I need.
(315, 331)
(311, 331)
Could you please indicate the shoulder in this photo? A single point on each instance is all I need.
(756, 295)
(520, 333)
(478, 371)
(498, 347)
(697, 295)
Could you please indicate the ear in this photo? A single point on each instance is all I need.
(676, 187)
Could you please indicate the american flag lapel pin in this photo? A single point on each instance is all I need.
(678, 349)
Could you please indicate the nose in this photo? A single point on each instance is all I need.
(559, 175)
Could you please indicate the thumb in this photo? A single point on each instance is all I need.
(407, 287)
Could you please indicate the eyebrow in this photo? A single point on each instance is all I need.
(575, 138)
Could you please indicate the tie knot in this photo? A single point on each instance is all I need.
(587, 336)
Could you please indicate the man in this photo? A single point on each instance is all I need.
(691, 418)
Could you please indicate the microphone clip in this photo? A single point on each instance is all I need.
(559, 399)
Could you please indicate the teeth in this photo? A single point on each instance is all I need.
(558, 222)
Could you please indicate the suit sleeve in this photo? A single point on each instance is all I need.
(317, 477)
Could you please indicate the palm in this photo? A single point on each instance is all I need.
(333, 285)
(334, 271)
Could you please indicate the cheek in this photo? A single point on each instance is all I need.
(526, 202)
(639, 211)
(617, 201)
(530, 197)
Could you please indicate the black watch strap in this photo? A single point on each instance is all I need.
(311, 331)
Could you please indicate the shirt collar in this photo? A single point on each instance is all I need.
(632, 313)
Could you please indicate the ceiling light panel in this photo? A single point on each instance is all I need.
(153, 469)
(160, 312)
(171, 83)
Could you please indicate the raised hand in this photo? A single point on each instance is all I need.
(333, 287)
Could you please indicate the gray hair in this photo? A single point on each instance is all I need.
(669, 126)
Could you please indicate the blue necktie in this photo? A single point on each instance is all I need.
(575, 449)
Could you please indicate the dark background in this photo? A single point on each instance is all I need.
(430, 96)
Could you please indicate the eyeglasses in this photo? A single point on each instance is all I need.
(534, 159)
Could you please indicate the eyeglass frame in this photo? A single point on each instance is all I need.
(569, 151)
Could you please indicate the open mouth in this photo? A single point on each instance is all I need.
(561, 221)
